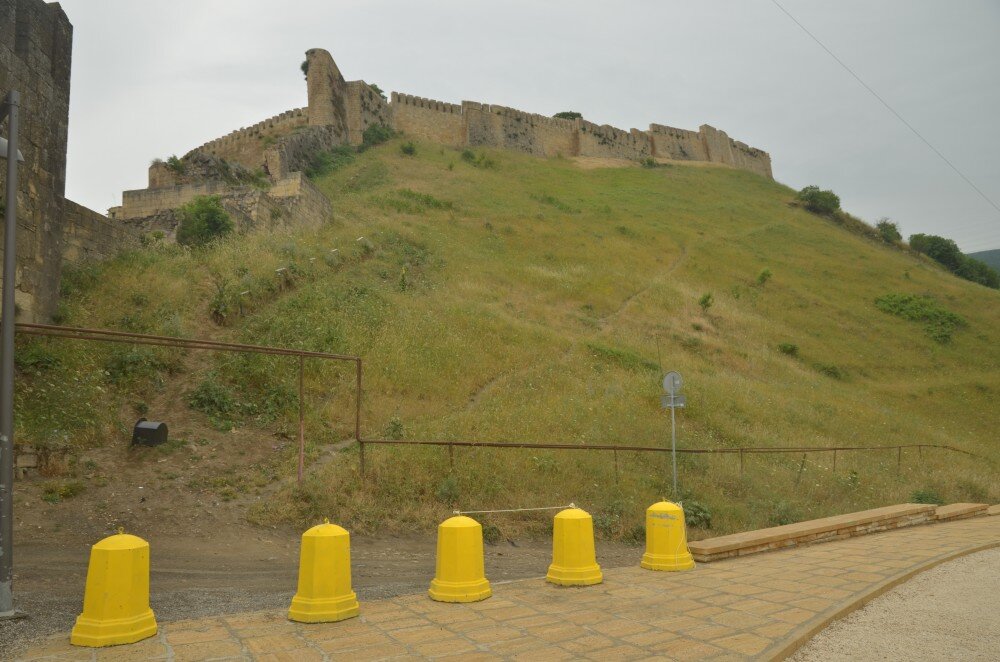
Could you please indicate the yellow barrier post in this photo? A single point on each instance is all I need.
(460, 574)
(324, 591)
(574, 562)
(116, 599)
(666, 538)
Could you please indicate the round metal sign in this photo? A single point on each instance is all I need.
(672, 382)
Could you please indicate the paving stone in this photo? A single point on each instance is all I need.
(732, 609)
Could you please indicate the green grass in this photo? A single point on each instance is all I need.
(533, 300)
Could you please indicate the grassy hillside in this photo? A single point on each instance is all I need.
(512, 298)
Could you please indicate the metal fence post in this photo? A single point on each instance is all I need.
(9, 108)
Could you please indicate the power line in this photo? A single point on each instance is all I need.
(890, 108)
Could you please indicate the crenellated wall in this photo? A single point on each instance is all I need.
(245, 145)
(426, 119)
(365, 107)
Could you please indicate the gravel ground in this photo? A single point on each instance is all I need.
(951, 612)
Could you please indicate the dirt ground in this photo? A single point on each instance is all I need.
(947, 613)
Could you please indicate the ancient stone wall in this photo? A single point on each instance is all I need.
(245, 146)
(365, 107)
(88, 235)
(426, 119)
(679, 144)
(35, 55)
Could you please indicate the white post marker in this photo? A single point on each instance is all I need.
(672, 383)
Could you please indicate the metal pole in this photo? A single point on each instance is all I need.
(673, 441)
(302, 424)
(11, 104)
(357, 410)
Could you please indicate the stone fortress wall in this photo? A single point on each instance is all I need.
(36, 41)
(339, 112)
(257, 171)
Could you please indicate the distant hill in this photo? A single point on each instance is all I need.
(991, 258)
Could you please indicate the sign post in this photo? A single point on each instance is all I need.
(672, 383)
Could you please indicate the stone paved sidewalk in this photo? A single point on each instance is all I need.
(761, 606)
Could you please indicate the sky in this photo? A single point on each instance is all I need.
(151, 79)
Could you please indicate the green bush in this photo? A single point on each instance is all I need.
(648, 162)
(697, 515)
(377, 89)
(323, 163)
(926, 495)
(763, 277)
(568, 115)
(376, 134)
(304, 67)
(408, 149)
(447, 491)
(176, 165)
(946, 253)
(706, 301)
(481, 161)
(831, 370)
(788, 349)
(213, 398)
(819, 201)
(939, 323)
(888, 230)
(202, 220)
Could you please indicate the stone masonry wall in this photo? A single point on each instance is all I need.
(426, 119)
(244, 146)
(35, 55)
(365, 107)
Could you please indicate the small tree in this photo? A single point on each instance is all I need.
(202, 220)
(378, 90)
(888, 230)
(568, 115)
(939, 249)
(305, 68)
(706, 301)
(818, 201)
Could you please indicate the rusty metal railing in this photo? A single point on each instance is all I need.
(652, 449)
(105, 335)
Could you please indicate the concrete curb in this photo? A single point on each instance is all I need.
(797, 638)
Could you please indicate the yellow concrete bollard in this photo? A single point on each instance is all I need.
(324, 593)
(666, 538)
(116, 599)
(574, 562)
(460, 575)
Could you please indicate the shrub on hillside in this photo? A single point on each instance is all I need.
(763, 277)
(946, 253)
(408, 149)
(819, 201)
(706, 301)
(376, 134)
(788, 349)
(926, 495)
(202, 220)
(939, 323)
(978, 272)
(568, 115)
(888, 230)
(322, 163)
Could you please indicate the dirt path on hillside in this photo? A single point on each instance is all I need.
(239, 569)
(947, 613)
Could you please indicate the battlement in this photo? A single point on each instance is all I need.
(420, 102)
(279, 124)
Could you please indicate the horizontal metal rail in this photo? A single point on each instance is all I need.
(654, 449)
(107, 335)
(651, 449)
(169, 341)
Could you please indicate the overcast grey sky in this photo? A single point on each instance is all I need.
(152, 79)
